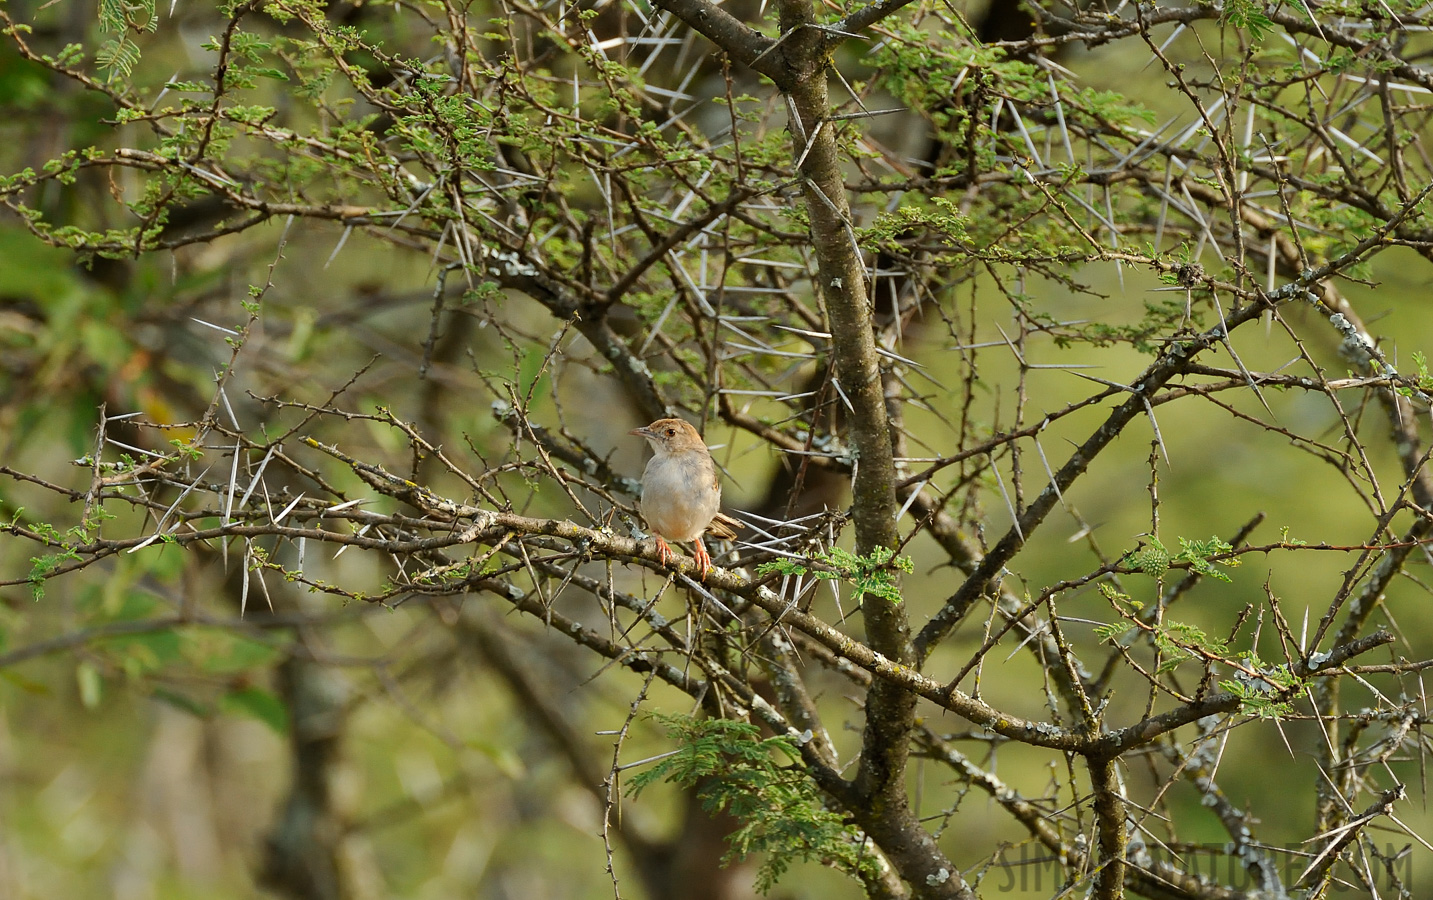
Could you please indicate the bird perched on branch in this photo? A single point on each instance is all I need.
(681, 494)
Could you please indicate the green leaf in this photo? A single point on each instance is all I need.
(140, 653)
(1154, 558)
(734, 770)
(118, 56)
(1249, 15)
(1112, 631)
(260, 704)
(872, 574)
(222, 653)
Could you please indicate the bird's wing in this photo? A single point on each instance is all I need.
(724, 526)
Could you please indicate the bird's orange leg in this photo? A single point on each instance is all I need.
(704, 560)
(664, 553)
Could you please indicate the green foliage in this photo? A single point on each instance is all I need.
(874, 574)
(939, 215)
(1111, 631)
(259, 704)
(1178, 641)
(45, 565)
(185, 449)
(1200, 556)
(219, 652)
(734, 770)
(120, 54)
(1264, 695)
(124, 15)
(1162, 315)
(1175, 641)
(1249, 15)
(1115, 630)
(1419, 383)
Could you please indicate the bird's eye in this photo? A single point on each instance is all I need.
(671, 432)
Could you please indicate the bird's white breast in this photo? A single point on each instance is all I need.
(679, 495)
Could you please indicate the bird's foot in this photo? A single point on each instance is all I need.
(664, 553)
(704, 560)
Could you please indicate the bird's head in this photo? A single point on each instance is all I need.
(670, 436)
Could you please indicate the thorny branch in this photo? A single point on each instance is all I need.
(902, 340)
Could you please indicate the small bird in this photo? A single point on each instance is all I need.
(681, 494)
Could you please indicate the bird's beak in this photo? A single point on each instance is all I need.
(644, 431)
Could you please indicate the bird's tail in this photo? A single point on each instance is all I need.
(724, 527)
